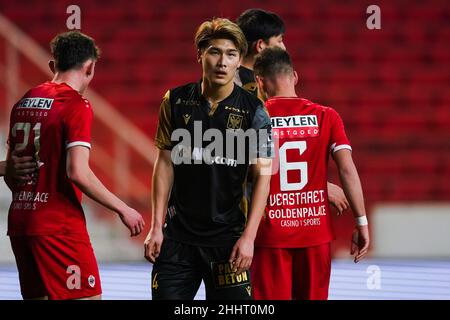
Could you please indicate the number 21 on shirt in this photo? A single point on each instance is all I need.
(26, 128)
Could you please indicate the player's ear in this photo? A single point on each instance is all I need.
(89, 67)
(260, 45)
(51, 65)
(295, 75)
(260, 83)
(199, 56)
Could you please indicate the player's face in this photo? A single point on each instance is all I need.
(220, 61)
(276, 41)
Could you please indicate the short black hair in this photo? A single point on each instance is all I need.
(273, 61)
(259, 24)
(71, 49)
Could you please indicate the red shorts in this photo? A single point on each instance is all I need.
(57, 266)
(294, 273)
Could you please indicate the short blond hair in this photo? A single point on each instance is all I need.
(220, 28)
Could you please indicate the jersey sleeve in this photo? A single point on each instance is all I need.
(164, 130)
(338, 138)
(261, 123)
(77, 123)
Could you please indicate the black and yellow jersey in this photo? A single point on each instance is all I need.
(245, 78)
(207, 206)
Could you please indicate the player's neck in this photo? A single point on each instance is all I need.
(284, 93)
(215, 93)
(248, 62)
(284, 86)
(70, 78)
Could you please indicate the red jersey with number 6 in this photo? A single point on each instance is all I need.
(48, 120)
(297, 213)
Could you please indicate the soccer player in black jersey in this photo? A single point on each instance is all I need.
(264, 29)
(207, 234)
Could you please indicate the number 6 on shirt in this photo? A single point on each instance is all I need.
(286, 166)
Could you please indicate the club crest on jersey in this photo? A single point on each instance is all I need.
(91, 281)
(234, 121)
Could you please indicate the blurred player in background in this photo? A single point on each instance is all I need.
(295, 233)
(264, 29)
(207, 234)
(46, 222)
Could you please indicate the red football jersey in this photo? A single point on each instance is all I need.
(297, 213)
(48, 120)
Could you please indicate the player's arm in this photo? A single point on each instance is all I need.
(161, 183)
(261, 171)
(162, 180)
(81, 175)
(353, 190)
(336, 197)
(242, 254)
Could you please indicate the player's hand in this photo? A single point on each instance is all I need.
(360, 242)
(152, 244)
(21, 168)
(132, 220)
(242, 254)
(336, 197)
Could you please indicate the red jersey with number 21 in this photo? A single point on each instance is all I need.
(47, 121)
(297, 213)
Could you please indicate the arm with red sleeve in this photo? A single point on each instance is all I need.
(341, 151)
(77, 127)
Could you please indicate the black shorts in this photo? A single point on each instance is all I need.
(180, 269)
